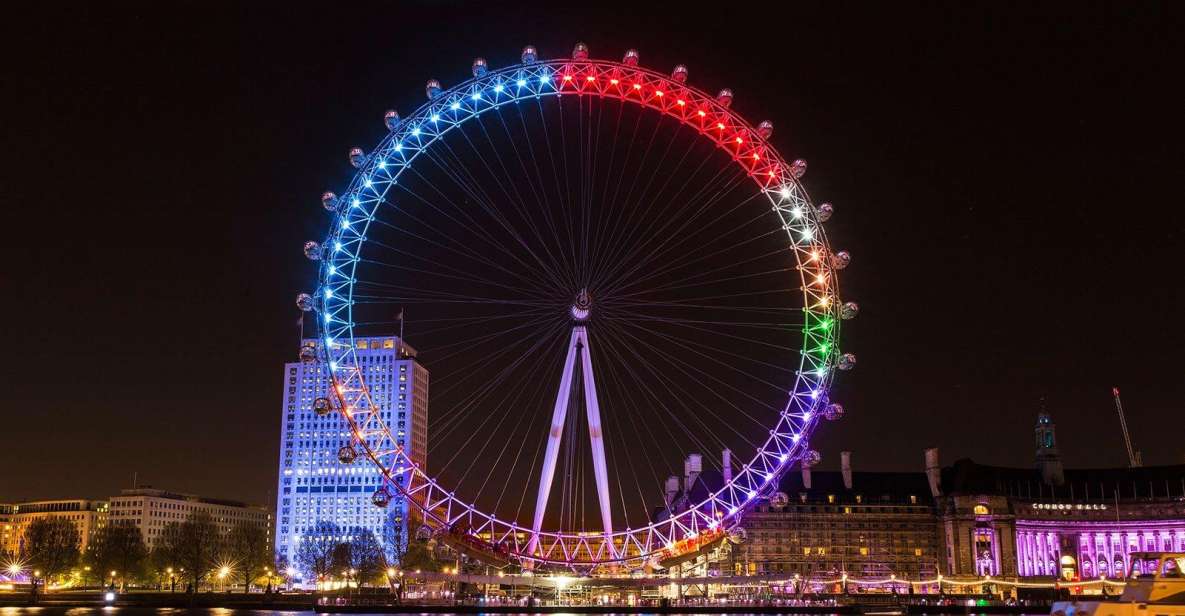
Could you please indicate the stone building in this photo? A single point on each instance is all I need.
(1048, 521)
(87, 516)
(821, 523)
(965, 520)
(151, 510)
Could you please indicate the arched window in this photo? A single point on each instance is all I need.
(981, 510)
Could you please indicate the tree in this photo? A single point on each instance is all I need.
(160, 560)
(194, 544)
(418, 556)
(363, 555)
(51, 546)
(117, 547)
(314, 555)
(248, 548)
(394, 538)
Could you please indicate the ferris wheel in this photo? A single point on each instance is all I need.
(604, 270)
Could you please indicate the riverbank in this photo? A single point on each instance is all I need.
(377, 605)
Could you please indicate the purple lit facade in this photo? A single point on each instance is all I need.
(1091, 548)
(1047, 521)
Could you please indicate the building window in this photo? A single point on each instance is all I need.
(981, 510)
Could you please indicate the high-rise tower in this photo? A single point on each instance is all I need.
(314, 486)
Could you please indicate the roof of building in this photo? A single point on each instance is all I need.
(874, 487)
(180, 496)
(1149, 482)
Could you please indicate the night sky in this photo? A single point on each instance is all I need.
(1006, 177)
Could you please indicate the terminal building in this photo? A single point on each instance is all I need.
(313, 485)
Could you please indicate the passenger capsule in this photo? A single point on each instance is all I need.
(825, 210)
(381, 498)
(630, 58)
(849, 310)
(357, 157)
(679, 74)
(329, 201)
(798, 169)
(811, 458)
(765, 129)
(580, 52)
(312, 250)
(322, 407)
(479, 67)
(833, 412)
(841, 259)
(308, 353)
(305, 302)
(847, 361)
(529, 54)
(347, 454)
(724, 97)
(432, 89)
(391, 119)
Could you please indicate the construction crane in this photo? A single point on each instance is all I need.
(1133, 457)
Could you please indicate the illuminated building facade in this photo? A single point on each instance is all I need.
(151, 510)
(314, 486)
(962, 521)
(87, 516)
(1048, 521)
(823, 524)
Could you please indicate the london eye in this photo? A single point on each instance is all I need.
(604, 269)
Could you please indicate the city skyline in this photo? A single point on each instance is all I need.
(1030, 251)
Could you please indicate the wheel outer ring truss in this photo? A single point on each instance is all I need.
(787, 441)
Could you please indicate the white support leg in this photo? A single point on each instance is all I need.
(558, 415)
(595, 434)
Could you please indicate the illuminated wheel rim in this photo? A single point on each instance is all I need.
(449, 110)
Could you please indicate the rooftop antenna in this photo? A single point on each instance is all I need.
(1133, 457)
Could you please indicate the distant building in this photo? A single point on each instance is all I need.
(314, 486)
(151, 510)
(825, 523)
(88, 516)
(1048, 521)
(964, 521)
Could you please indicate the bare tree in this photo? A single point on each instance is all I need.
(248, 548)
(363, 555)
(314, 555)
(117, 547)
(51, 546)
(194, 545)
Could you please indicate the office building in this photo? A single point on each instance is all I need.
(151, 510)
(314, 486)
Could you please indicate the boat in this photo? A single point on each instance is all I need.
(1155, 587)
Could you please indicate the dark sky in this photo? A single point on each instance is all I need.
(1007, 178)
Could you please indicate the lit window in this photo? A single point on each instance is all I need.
(981, 510)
